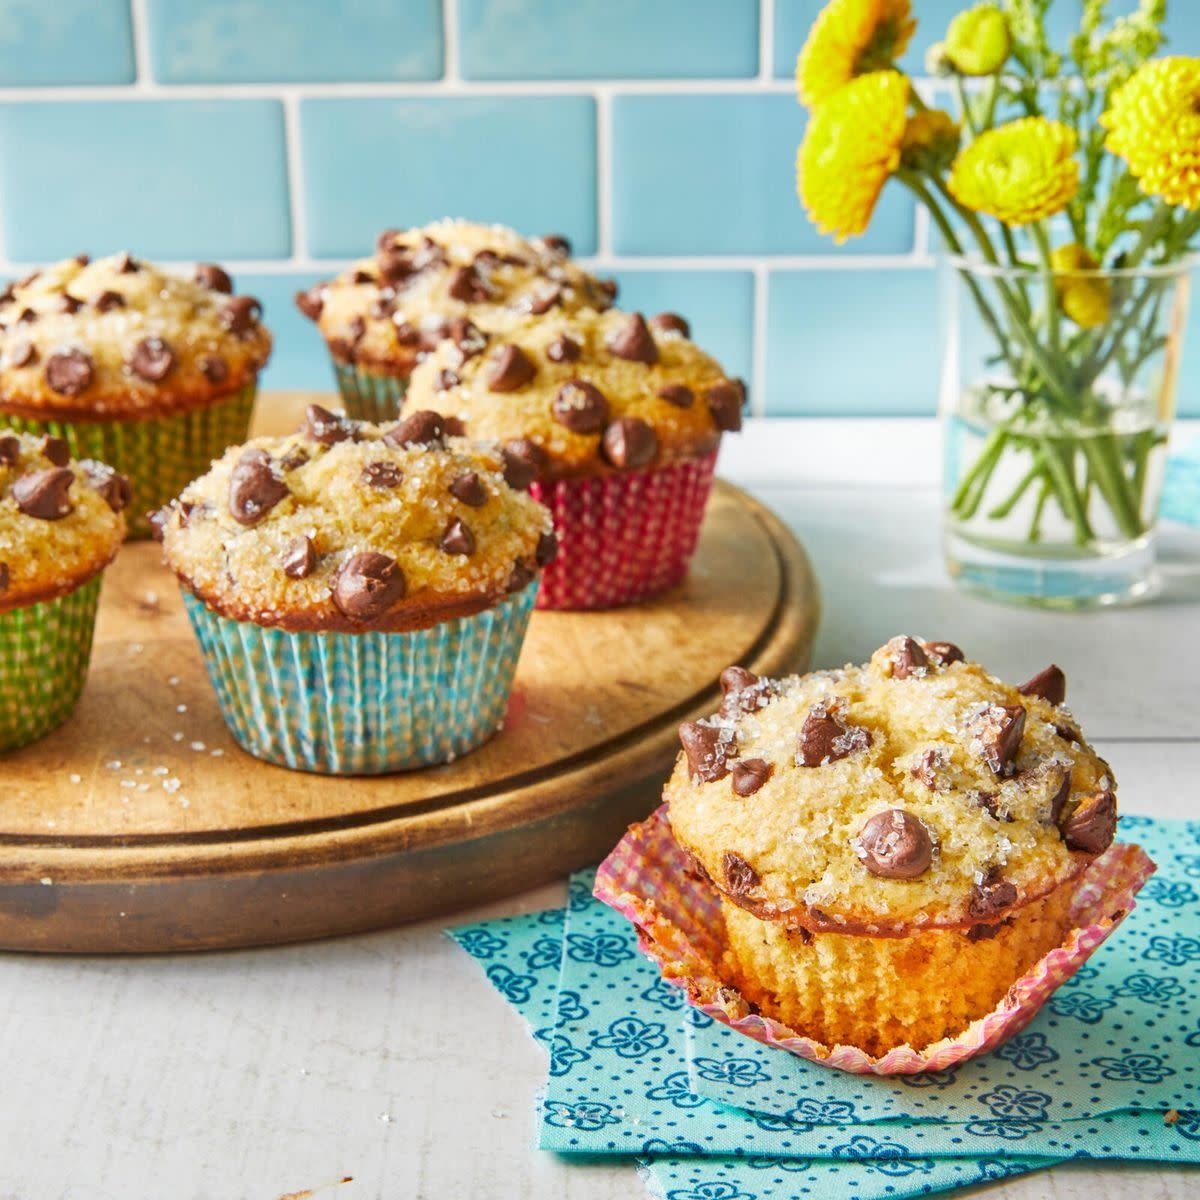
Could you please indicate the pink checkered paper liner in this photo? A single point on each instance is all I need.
(623, 537)
(651, 881)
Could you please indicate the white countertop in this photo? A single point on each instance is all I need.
(387, 1057)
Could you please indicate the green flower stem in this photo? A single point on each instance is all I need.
(1104, 461)
(970, 490)
(1059, 455)
(1047, 273)
(1005, 507)
(1039, 507)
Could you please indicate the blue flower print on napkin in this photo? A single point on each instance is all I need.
(586, 1116)
(888, 1158)
(1027, 1051)
(631, 1038)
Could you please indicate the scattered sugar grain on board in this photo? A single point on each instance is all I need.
(75, 778)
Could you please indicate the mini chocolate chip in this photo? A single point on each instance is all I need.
(358, 275)
(469, 489)
(114, 488)
(633, 341)
(467, 337)
(187, 509)
(508, 368)
(944, 653)
(406, 333)
(608, 289)
(10, 449)
(581, 407)
(547, 550)
(125, 263)
(670, 322)
(446, 379)
(1059, 800)
(743, 691)
(677, 394)
(239, 313)
(5, 578)
(524, 461)
(67, 303)
(382, 475)
(26, 316)
(908, 659)
(214, 368)
(151, 359)
(458, 538)
(983, 933)
(564, 349)
(825, 738)
(328, 428)
(554, 243)
(386, 241)
(1050, 684)
(629, 443)
(1000, 737)
(992, 896)
(356, 327)
(990, 803)
(725, 400)
(1068, 734)
(740, 876)
(521, 577)
(216, 279)
(311, 302)
(749, 774)
(69, 372)
(1090, 824)
(45, 494)
(367, 585)
(467, 285)
(299, 558)
(107, 300)
(706, 750)
(894, 844)
(56, 450)
(540, 300)
(421, 428)
(254, 488)
(929, 768)
(21, 353)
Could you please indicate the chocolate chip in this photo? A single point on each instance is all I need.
(990, 803)
(297, 456)
(157, 520)
(114, 488)
(299, 558)
(382, 475)
(56, 450)
(69, 372)
(983, 933)
(5, 578)
(629, 443)
(421, 428)
(670, 322)
(454, 427)
(386, 241)
(706, 750)
(26, 316)
(108, 300)
(1050, 684)
(581, 407)
(749, 774)
(187, 510)
(10, 449)
(508, 368)
(254, 488)
(431, 334)
(608, 289)
(406, 333)
(743, 691)
(382, 307)
(564, 349)
(547, 550)
(216, 279)
(1000, 736)
(521, 577)
(311, 302)
(1059, 800)
(367, 585)
(554, 243)
(740, 876)
(676, 394)
(67, 303)
(467, 285)
(83, 259)
(944, 653)
(358, 275)
(458, 538)
(908, 659)
(725, 400)
(239, 313)
(125, 263)
(469, 489)
(1091, 823)
(328, 428)
(929, 768)
(633, 341)
(825, 738)
(524, 461)
(467, 337)
(894, 844)
(214, 368)
(21, 354)
(992, 896)
(356, 327)
(45, 494)
(446, 379)
(1068, 734)
(151, 359)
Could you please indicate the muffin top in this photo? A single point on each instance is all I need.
(387, 312)
(584, 393)
(118, 337)
(914, 792)
(60, 521)
(349, 526)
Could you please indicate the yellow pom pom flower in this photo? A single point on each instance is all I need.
(1019, 172)
(851, 146)
(931, 139)
(1153, 123)
(1084, 298)
(851, 38)
(978, 41)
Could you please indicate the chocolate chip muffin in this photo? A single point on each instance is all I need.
(360, 592)
(384, 314)
(61, 524)
(614, 420)
(150, 372)
(894, 844)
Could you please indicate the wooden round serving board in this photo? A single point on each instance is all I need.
(140, 825)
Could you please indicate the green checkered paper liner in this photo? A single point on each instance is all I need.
(44, 654)
(159, 455)
(369, 396)
(364, 703)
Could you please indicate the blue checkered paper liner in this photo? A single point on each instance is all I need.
(368, 395)
(1181, 486)
(363, 703)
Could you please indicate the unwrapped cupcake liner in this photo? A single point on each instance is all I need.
(650, 879)
(363, 703)
(160, 456)
(370, 395)
(623, 537)
(44, 653)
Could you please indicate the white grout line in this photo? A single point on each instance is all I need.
(766, 42)
(450, 38)
(295, 175)
(604, 176)
(758, 382)
(141, 44)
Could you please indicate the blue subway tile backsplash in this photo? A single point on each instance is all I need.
(281, 136)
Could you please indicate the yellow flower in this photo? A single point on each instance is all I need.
(851, 146)
(849, 38)
(1084, 298)
(930, 139)
(978, 41)
(1153, 123)
(1019, 172)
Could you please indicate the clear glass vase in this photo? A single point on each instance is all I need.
(1057, 394)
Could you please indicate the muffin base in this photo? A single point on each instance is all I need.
(363, 703)
(159, 455)
(877, 993)
(370, 395)
(45, 649)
